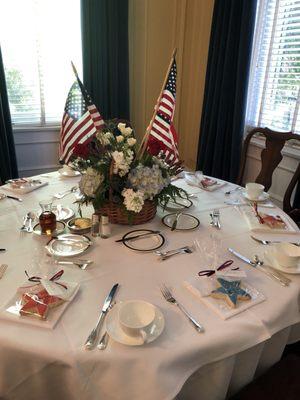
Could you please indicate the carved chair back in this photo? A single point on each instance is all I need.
(270, 155)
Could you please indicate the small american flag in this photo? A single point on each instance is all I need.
(81, 120)
(163, 134)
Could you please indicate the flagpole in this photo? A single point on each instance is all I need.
(143, 144)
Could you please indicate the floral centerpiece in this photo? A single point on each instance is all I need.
(113, 177)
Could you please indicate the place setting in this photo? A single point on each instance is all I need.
(203, 182)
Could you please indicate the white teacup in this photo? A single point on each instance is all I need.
(287, 254)
(135, 317)
(254, 190)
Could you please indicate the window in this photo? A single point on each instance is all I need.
(274, 85)
(39, 38)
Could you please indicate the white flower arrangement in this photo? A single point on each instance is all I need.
(111, 172)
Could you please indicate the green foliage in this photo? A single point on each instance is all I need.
(19, 95)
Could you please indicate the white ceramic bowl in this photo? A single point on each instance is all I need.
(287, 254)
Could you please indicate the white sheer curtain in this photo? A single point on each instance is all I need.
(274, 85)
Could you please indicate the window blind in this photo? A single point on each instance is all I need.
(39, 38)
(274, 84)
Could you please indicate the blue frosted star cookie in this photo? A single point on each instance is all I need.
(230, 291)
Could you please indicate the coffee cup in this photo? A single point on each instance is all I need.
(254, 190)
(287, 254)
(136, 317)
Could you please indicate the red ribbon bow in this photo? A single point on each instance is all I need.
(54, 278)
(209, 272)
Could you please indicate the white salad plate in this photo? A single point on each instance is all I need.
(185, 222)
(68, 245)
(115, 331)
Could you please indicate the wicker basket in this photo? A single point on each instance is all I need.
(117, 215)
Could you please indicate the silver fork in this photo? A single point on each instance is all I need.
(171, 299)
(170, 253)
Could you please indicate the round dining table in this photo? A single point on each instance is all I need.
(38, 362)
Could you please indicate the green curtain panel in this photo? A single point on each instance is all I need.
(104, 25)
(223, 113)
(8, 161)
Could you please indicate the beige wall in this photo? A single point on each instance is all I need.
(155, 28)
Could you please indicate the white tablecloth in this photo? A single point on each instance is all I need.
(36, 363)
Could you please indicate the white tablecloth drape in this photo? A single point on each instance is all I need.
(37, 363)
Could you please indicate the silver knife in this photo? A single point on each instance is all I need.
(282, 280)
(91, 341)
(174, 225)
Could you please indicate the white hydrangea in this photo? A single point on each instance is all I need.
(122, 162)
(131, 141)
(90, 182)
(133, 201)
(125, 131)
(148, 180)
(120, 138)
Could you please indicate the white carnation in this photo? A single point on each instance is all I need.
(133, 201)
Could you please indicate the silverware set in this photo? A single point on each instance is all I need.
(61, 195)
(267, 242)
(181, 250)
(92, 340)
(82, 264)
(215, 219)
(3, 196)
(27, 222)
(267, 269)
(171, 299)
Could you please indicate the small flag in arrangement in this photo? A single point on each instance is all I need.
(163, 135)
(81, 120)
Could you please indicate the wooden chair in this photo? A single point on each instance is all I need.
(294, 213)
(270, 155)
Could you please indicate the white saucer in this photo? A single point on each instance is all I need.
(70, 173)
(270, 257)
(116, 332)
(263, 197)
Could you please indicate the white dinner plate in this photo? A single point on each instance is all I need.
(69, 174)
(178, 204)
(263, 197)
(185, 222)
(115, 331)
(148, 243)
(68, 245)
(271, 259)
